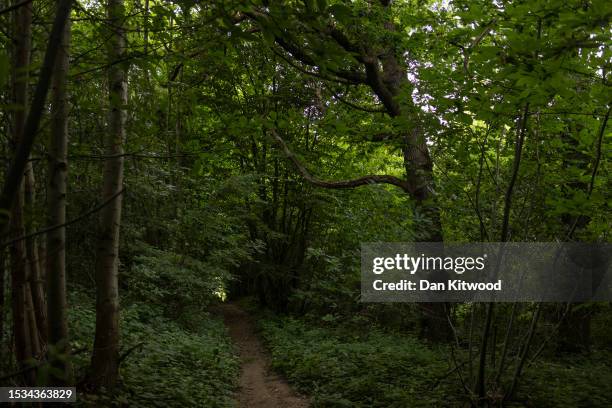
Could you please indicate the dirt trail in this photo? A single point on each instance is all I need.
(259, 386)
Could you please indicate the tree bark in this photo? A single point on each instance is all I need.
(2, 300)
(14, 175)
(434, 319)
(56, 239)
(24, 323)
(104, 364)
(35, 279)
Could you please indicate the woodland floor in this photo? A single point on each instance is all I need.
(259, 386)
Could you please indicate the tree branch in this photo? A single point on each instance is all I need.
(340, 184)
(67, 223)
(595, 169)
(375, 81)
(307, 72)
(354, 77)
(14, 7)
(345, 43)
(129, 351)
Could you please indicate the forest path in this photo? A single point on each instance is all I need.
(259, 386)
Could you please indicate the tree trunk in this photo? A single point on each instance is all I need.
(24, 323)
(56, 239)
(434, 318)
(2, 301)
(35, 279)
(434, 324)
(104, 364)
(14, 175)
(25, 335)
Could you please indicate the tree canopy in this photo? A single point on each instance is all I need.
(161, 157)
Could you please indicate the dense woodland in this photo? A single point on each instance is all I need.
(162, 157)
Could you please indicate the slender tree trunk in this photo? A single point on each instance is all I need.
(56, 239)
(21, 327)
(14, 175)
(35, 279)
(24, 323)
(146, 30)
(2, 301)
(104, 364)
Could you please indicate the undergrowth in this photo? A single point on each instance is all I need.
(343, 366)
(164, 364)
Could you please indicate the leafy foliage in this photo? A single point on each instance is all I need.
(341, 368)
(346, 365)
(167, 365)
(213, 209)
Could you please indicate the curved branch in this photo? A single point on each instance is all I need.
(340, 184)
(354, 77)
(301, 55)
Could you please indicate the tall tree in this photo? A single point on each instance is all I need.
(16, 171)
(25, 330)
(105, 359)
(382, 66)
(56, 239)
(35, 276)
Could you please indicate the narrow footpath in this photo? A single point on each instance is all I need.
(259, 386)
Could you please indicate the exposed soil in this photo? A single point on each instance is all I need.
(259, 386)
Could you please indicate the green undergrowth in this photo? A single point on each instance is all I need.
(578, 381)
(344, 366)
(165, 364)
